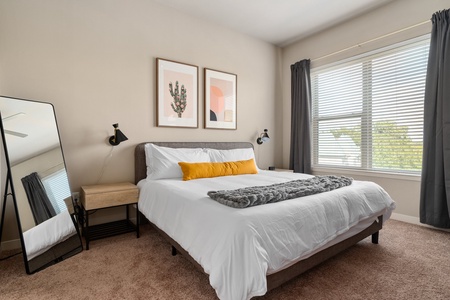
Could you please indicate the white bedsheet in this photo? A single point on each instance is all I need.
(42, 237)
(239, 247)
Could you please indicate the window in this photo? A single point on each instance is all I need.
(57, 187)
(367, 112)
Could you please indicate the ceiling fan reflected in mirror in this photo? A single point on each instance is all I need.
(11, 132)
(18, 134)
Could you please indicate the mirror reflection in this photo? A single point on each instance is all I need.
(40, 184)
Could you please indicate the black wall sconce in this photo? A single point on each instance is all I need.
(118, 136)
(264, 137)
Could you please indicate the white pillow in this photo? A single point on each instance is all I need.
(231, 155)
(162, 162)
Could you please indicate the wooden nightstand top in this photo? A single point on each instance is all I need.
(283, 170)
(108, 195)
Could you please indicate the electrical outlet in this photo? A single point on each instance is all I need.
(76, 197)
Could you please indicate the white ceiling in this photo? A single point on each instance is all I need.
(35, 124)
(279, 22)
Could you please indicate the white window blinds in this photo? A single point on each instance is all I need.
(367, 113)
(57, 188)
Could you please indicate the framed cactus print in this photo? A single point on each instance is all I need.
(177, 94)
(220, 99)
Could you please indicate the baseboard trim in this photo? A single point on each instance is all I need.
(406, 218)
(11, 245)
(414, 220)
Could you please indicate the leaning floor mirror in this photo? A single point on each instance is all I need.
(37, 183)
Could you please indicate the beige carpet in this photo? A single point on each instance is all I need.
(411, 262)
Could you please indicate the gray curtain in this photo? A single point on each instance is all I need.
(40, 205)
(300, 152)
(435, 185)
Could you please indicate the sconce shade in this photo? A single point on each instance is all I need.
(264, 137)
(118, 136)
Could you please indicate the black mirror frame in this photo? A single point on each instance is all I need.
(9, 191)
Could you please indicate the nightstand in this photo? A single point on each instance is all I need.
(102, 196)
(283, 170)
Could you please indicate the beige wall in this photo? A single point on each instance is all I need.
(95, 61)
(390, 18)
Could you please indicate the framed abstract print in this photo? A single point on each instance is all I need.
(220, 99)
(177, 94)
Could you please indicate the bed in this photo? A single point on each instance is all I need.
(53, 240)
(53, 231)
(247, 252)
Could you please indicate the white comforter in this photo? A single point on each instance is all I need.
(239, 247)
(47, 234)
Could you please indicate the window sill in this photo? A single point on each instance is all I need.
(398, 176)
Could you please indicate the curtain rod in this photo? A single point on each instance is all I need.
(372, 40)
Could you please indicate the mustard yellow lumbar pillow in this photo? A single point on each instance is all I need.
(215, 169)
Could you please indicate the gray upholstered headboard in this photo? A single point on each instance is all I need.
(140, 167)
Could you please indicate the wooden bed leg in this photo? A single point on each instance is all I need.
(375, 237)
(174, 251)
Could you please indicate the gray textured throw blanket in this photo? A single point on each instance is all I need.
(257, 195)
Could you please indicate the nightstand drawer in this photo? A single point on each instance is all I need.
(108, 195)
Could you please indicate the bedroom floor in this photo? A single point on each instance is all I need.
(411, 262)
